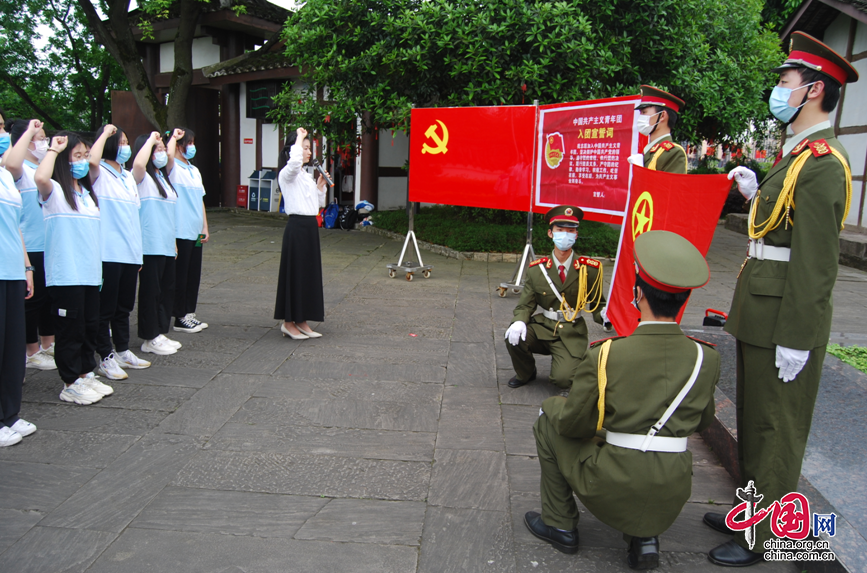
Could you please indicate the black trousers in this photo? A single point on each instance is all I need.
(76, 322)
(39, 320)
(188, 275)
(155, 295)
(12, 349)
(116, 300)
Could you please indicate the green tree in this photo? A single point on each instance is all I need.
(384, 56)
(51, 67)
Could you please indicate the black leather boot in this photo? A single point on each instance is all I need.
(643, 553)
(730, 554)
(565, 541)
(717, 522)
(515, 383)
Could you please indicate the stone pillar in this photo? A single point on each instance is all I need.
(230, 140)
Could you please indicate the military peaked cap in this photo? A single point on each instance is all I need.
(805, 51)
(667, 261)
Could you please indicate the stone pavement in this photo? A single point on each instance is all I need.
(392, 444)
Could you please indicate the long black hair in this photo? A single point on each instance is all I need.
(287, 147)
(150, 167)
(112, 144)
(63, 172)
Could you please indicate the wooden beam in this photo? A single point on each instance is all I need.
(275, 74)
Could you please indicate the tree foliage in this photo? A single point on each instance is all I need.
(51, 67)
(384, 56)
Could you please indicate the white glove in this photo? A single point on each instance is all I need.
(516, 332)
(606, 324)
(790, 362)
(746, 180)
(636, 159)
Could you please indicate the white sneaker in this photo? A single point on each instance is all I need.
(192, 317)
(8, 437)
(184, 324)
(110, 369)
(41, 361)
(78, 393)
(23, 427)
(49, 351)
(90, 380)
(157, 346)
(168, 341)
(127, 359)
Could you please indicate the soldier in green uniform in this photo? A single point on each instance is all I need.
(659, 113)
(563, 284)
(782, 306)
(619, 440)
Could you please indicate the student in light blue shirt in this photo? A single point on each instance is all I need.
(191, 224)
(153, 160)
(29, 148)
(73, 270)
(121, 243)
(16, 284)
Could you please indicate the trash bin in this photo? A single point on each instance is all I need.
(254, 191)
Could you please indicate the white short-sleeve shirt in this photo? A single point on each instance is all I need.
(118, 199)
(11, 251)
(72, 251)
(157, 216)
(189, 213)
(32, 221)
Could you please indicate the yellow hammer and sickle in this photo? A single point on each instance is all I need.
(431, 133)
(642, 215)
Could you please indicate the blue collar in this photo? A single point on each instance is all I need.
(111, 169)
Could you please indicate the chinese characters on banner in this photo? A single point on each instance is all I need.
(581, 158)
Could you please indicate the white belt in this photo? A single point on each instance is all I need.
(759, 250)
(635, 442)
(554, 315)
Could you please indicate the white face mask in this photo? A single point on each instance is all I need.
(41, 149)
(644, 125)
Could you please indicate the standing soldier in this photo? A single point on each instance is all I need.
(619, 440)
(659, 113)
(781, 310)
(563, 285)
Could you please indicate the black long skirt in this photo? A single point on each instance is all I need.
(299, 286)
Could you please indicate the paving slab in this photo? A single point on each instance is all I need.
(342, 442)
(474, 479)
(80, 449)
(367, 521)
(146, 551)
(118, 493)
(466, 540)
(29, 486)
(298, 474)
(58, 549)
(228, 512)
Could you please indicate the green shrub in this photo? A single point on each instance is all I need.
(852, 355)
(493, 230)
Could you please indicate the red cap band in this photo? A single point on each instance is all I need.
(821, 64)
(650, 100)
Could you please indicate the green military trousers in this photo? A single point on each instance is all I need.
(563, 364)
(773, 421)
(558, 505)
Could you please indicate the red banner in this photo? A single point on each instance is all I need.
(688, 205)
(581, 156)
(472, 156)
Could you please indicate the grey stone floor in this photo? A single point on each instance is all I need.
(392, 444)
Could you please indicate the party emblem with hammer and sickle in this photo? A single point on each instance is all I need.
(642, 215)
(441, 143)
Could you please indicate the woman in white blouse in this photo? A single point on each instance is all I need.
(299, 286)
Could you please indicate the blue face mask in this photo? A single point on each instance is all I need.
(5, 141)
(190, 151)
(160, 159)
(564, 240)
(123, 154)
(79, 168)
(779, 103)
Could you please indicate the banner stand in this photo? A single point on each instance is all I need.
(528, 255)
(409, 267)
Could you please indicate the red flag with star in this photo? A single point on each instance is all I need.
(689, 205)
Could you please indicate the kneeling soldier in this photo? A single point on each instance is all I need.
(619, 440)
(563, 285)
